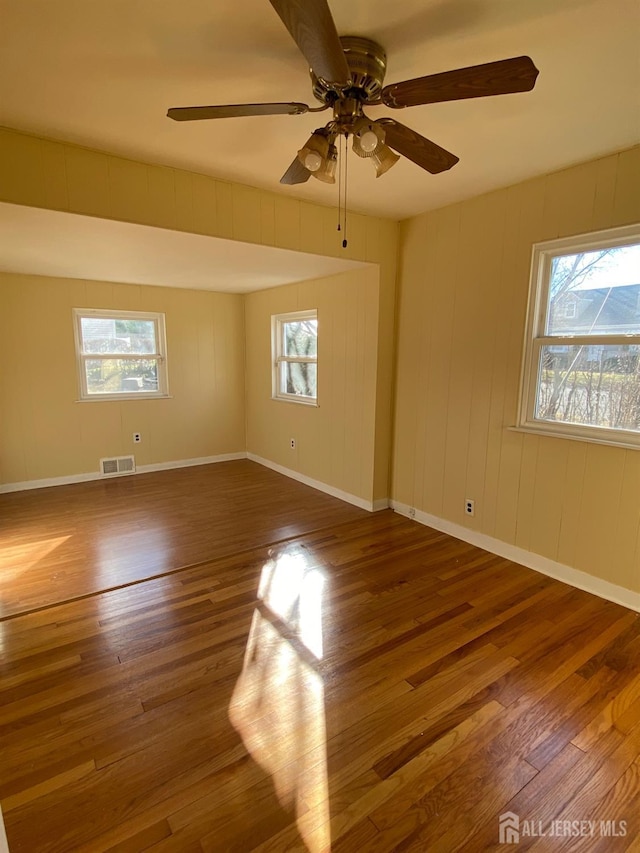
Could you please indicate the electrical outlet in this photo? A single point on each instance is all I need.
(412, 512)
(137, 438)
(469, 507)
(292, 443)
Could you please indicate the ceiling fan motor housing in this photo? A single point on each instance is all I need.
(367, 63)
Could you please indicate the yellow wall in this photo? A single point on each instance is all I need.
(463, 295)
(46, 433)
(464, 283)
(43, 173)
(335, 440)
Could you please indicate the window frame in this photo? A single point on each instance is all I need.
(536, 337)
(278, 356)
(160, 356)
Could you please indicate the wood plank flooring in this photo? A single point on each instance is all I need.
(65, 542)
(333, 680)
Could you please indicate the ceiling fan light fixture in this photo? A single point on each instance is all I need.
(314, 152)
(327, 171)
(368, 139)
(311, 160)
(384, 159)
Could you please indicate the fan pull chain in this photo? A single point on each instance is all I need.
(346, 161)
(339, 185)
(342, 194)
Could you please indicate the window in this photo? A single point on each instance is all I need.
(581, 372)
(295, 356)
(121, 354)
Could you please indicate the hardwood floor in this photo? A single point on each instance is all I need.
(66, 542)
(324, 679)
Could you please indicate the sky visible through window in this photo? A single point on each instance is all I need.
(619, 268)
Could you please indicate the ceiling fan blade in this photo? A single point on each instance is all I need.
(295, 174)
(235, 110)
(417, 148)
(493, 78)
(313, 30)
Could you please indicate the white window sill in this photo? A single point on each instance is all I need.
(297, 400)
(573, 436)
(118, 398)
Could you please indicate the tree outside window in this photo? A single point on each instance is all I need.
(582, 361)
(120, 354)
(295, 356)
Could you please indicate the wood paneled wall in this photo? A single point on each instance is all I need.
(46, 433)
(464, 284)
(463, 295)
(44, 173)
(334, 440)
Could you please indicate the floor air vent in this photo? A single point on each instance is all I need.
(117, 465)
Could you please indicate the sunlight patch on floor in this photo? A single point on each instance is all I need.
(277, 705)
(15, 560)
(292, 589)
(4, 847)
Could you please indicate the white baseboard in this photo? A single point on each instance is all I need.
(382, 503)
(551, 568)
(189, 463)
(51, 481)
(371, 506)
(140, 469)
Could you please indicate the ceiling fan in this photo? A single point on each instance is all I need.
(347, 74)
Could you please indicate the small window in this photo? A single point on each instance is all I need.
(581, 373)
(295, 356)
(121, 354)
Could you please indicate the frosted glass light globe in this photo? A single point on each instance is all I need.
(368, 141)
(312, 161)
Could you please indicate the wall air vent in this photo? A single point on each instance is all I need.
(117, 465)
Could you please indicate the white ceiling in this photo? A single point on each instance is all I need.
(66, 245)
(103, 74)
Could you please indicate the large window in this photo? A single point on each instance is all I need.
(121, 354)
(295, 356)
(581, 374)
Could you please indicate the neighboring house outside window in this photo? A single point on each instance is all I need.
(120, 354)
(570, 309)
(294, 338)
(581, 370)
